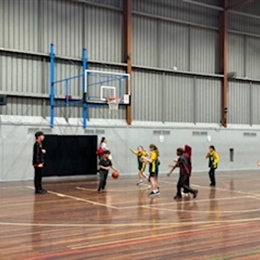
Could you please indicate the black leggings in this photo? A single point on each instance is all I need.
(38, 178)
(212, 176)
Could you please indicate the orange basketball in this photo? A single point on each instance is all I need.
(115, 174)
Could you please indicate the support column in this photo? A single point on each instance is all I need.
(127, 16)
(223, 31)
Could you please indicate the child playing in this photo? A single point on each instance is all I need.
(153, 169)
(184, 164)
(213, 164)
(141, 165)
(104, 165)
(187, 152)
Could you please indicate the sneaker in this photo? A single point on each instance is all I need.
(40, 192)
(212, 185)
(139, 183)
(185, 194)
(153, 194)
(195, 194)
(177, 197)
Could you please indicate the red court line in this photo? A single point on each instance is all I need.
(126, 243)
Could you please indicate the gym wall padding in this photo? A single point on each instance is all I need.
(70, 155)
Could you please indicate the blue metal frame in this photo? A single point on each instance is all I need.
(66, 82)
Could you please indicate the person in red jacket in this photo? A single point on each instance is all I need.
(184, 163)
(188, 152)
(38, 162)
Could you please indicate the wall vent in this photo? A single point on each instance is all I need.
(199, 133)
(249, 134)
(89, 131)
(161, 132)
(100, 131)
(36, 129)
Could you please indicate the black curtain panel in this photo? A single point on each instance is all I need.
(70, 155)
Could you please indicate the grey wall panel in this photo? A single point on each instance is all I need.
(62, 25)
(113, 3)
(243, 23)
(236, 56)
(145, 41)
(253, 57)
(252, 7)
(208, 100)
(255, 95)
(204, 50)
(147, 96)
(173, 46)
(102, 112)
(20, 74)
(239, 103)
(19, 24)
(103, 34)
(22, 107)
(178, 99)
(176, 9)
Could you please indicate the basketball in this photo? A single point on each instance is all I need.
(115, 174)
(258, 163)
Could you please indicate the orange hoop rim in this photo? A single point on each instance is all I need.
(112, 98)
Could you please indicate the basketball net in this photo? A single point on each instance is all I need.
(113, 103)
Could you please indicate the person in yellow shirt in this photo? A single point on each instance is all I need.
(153, 169)
(213, 157)
(141, 165)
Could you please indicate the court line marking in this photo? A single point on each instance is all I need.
(203, 211)
(192, 200)
(246, 253)
(221, 189)
(112, 190)
(82, 188)
(136, 224)
(126, 242)
(78, 199)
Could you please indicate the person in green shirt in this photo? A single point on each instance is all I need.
(213, 157)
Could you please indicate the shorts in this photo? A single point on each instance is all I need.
(153, 174)
(141, 167)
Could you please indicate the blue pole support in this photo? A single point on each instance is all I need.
(84, 104)
(52, 79)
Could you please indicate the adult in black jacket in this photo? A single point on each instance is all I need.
(38, 162)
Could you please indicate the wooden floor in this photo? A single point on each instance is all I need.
(72, 221)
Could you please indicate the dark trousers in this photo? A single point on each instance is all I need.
(212, 176)
(103, 180)
(38, 178)
(183, 183)
(188, 184)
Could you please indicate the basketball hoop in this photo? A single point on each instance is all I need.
(113, 102)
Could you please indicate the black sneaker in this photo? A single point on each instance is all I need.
(195, 194)
(153, 194)
(177, 197)
(40, 192)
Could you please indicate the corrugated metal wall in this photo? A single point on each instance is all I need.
(175, 57)
(255, 105)
(239, 102)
